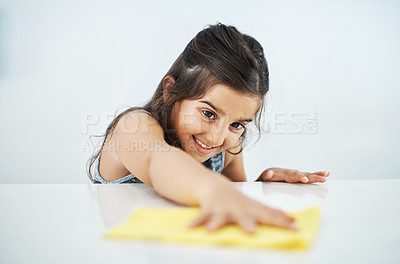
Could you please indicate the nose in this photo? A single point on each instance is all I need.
(218, 135)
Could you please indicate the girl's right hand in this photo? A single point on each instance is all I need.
(229, 206)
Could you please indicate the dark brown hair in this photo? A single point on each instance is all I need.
(218, 54)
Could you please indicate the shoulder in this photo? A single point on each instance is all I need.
(132, 141)
(138, 122)
(137, 116)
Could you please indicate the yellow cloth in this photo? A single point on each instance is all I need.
(171, 225)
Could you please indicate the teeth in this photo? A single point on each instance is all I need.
(201, 144)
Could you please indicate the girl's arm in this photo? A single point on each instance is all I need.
(169, 170)
(177, 176)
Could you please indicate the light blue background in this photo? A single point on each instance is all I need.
(66, 67)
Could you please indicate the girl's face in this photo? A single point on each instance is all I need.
(214, 122)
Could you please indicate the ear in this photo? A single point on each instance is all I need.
(168, 82)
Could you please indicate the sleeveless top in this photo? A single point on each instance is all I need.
(215, 163)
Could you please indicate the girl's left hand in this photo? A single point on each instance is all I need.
(292, 176)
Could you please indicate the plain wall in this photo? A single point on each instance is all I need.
(66, 67)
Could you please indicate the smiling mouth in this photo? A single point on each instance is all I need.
(201, 144)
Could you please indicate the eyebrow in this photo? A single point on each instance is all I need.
(222, 112)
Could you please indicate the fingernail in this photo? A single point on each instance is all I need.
(293, 226)
(305, 179)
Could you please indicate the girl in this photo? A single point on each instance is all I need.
(199, 114)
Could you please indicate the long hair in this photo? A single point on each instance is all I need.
(219, 54)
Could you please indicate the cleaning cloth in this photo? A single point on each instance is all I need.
(171, 224)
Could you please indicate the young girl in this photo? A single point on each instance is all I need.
(193, 130)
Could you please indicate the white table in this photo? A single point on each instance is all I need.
(51, 223)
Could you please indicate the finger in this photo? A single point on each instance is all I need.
(304, 179)
(247, 223)
(324, 173)
(199, 220)
(296, 176)
(268, 174)
(276, 218)
(316, 178)
(216, 222)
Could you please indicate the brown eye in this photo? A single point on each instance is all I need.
(237, 126)
(208, 114)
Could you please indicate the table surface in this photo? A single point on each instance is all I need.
(65, 223)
